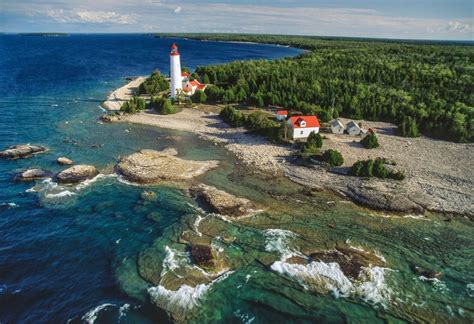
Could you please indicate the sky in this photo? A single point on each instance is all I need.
(412, 19)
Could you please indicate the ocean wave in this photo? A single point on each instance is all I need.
(174, 260)
(183, 299)
(278, 240)
(320, 276)
(10, 205)
(437, 284)
(470, 289)
(91, 315)
(65, 193)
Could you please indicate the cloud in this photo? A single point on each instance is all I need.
(178, 10)
(90, 16)
(457, 26)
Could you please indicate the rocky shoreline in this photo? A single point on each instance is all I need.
(442, 185)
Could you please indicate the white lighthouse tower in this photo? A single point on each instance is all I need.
(176, 84)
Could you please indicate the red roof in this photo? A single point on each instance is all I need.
(197, 84)
(174, 50)
(311, 121)
(282, 112)
(185, 74)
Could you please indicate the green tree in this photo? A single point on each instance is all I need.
(199, 97)
(370, 141)
(333, 158)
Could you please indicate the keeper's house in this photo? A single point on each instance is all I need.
(299, 127)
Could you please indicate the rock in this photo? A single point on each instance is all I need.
(64, 161)
(222, 202)
(34, 174)
(379, 195)
(427, 273)
(22, 151)
(109, 118)
(202, 255)
(149, 196)
(77, 173)
(350, 260)
(151, 167)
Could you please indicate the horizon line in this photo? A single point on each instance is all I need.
(232, 33)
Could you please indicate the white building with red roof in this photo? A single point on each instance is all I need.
(190, 87)
(299, 127)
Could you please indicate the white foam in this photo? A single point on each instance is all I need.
(196, 224)
(91, 315)
(123, 310)
(65, 193)
(88, 182)
(278, 240)
(437, 284)
(183, 299)
(370, 285)
(173, 260)
(10, 205)
(470, 289)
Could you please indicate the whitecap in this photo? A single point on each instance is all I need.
(61, 194)
(123, 310)
(321, 276)
(470, 289)
(173, 260)
(183, 299)
(10, 205)
(278, 240)
(91, 315)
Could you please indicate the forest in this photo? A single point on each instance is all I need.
(421, 86)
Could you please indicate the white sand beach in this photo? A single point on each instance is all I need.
(116, 99)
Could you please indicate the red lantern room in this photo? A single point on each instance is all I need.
(174, 50)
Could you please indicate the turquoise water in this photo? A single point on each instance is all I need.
(91, 254)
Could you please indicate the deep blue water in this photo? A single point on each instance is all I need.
(58, 254)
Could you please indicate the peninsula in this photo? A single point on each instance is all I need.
(438, 174)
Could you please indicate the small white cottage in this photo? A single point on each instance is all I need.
(299, 127)
(337, 127)
(353, 129)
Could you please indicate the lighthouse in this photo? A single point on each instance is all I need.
(176, 84)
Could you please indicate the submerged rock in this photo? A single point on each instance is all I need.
(350, 260)
(222, 202)
(77, 173)
(149, 196)
(64, 161)
(109, 118)
(150, 166)
(202, 255)
(34, 174)
(22, 151)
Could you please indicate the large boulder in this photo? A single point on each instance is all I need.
(64, 161)
(151, 167)
(77, 173)
(350, 260)
(202, 255)
(34, 174)
(222, 202)
(22, 151)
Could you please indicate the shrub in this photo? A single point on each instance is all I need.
(134, 105)
(333, 158)
(370, 141)
(375, 168)
(313, 144)
(167, 108)
(199, 97)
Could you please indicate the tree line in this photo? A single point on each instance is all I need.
(424, 87)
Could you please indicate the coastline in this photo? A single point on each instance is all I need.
(437, 172)
(119, 96)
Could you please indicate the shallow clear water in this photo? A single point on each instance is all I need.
(78, 255)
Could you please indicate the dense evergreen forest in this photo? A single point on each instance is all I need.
(425, 87)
